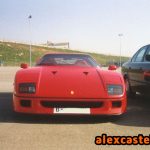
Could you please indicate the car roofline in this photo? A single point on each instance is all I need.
(57, 53)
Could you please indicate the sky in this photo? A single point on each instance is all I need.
(88, 25)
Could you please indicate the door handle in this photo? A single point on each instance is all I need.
(141, 69)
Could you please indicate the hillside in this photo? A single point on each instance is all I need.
(12, 54)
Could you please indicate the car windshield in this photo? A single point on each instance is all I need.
(67, 59)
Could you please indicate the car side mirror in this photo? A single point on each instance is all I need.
(147, 57)
(24, 66)
(112, 67)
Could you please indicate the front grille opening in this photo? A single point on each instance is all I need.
(25, 103)
(116, 104)
(72, 104)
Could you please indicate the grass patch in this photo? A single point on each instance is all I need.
(12, 54)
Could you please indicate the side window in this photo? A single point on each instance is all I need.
(134, 56)
(147, 52)
(138, 57)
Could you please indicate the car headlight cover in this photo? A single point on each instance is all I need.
(27, 88)
(114, 89)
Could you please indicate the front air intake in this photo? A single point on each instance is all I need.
(66, 104)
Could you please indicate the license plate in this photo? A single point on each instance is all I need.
(71, 110)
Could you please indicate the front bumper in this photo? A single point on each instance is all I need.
(47, 105)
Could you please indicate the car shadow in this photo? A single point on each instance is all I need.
(8, 115)
(138, 113)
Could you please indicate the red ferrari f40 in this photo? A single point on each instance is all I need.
(68, 84)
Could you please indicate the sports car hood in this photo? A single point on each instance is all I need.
(68, 81)
(64, 82)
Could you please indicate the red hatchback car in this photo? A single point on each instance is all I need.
(68, 84)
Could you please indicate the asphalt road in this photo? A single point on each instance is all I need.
(66, 132)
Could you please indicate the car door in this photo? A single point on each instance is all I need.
(146, 73)
(136, 71)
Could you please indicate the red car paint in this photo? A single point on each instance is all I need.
(69, 86)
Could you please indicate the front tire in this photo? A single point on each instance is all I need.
(129, 91)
